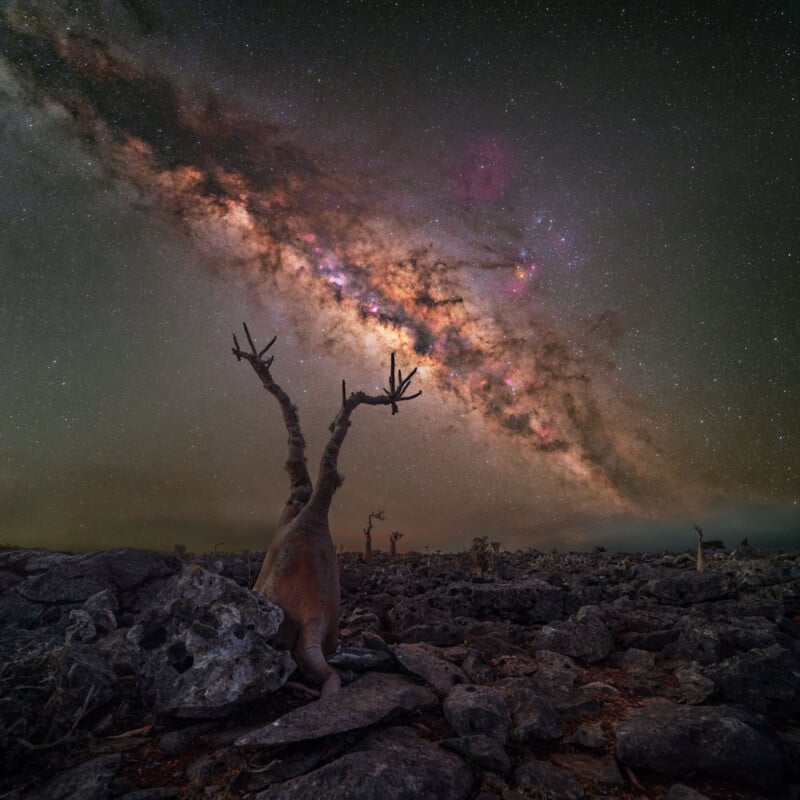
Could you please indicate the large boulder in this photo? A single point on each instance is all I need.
(472, 709)
(74, 580)
(765, 681)
(719, 741)
(583, 636)
(533, 716)
(372, 698)
(688, 588)
(392, 765)
(203, 646)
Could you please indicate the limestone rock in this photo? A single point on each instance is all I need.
(765, 681)
(203, 646)
(717, 741)
(393, 765)
(694, 687)
(548, 781)
(370, 699)
(584, 636)
(533, 716)
(424, 661)
(481, 750)
(471, 709)
(76, 579)
(688, 588)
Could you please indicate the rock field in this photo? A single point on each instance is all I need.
(137, 675)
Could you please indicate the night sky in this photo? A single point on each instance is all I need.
(582, 226)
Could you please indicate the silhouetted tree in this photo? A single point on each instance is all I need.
(368, 534)
(700, 559)
(394, 538)
(300, 571)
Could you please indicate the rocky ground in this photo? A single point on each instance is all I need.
(145, 676)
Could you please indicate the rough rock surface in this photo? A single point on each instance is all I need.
(203, 646)
(472, 709)
(88, 676)
(423, 660)
(394, 765)
(583, 636)
(718, 741)
(533, 716)
(370, 699)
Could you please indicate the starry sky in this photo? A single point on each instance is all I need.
(581, 225)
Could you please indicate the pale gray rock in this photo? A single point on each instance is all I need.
(555, 670)
(80, 627)
(425, 662)
(590, 736)
(102, 608)
(202, 646)
(584, 636)
(694, 687)
(718, 741)
(361, 659)
(471, 709)
(370, 699)
(393, 765)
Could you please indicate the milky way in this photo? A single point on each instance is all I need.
(283, 223)
(447, 255)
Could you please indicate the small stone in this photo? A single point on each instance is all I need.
(588, 736)
(424, 661)
(694, 687)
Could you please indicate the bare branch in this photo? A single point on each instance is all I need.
(300, 481)
(329, 478)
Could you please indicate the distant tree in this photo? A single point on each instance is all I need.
(479, 550)
(394, 538)
(700, 560)
(368, 534)
(300, 571)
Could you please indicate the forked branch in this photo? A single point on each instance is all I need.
(301, 487)
(329, 479)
